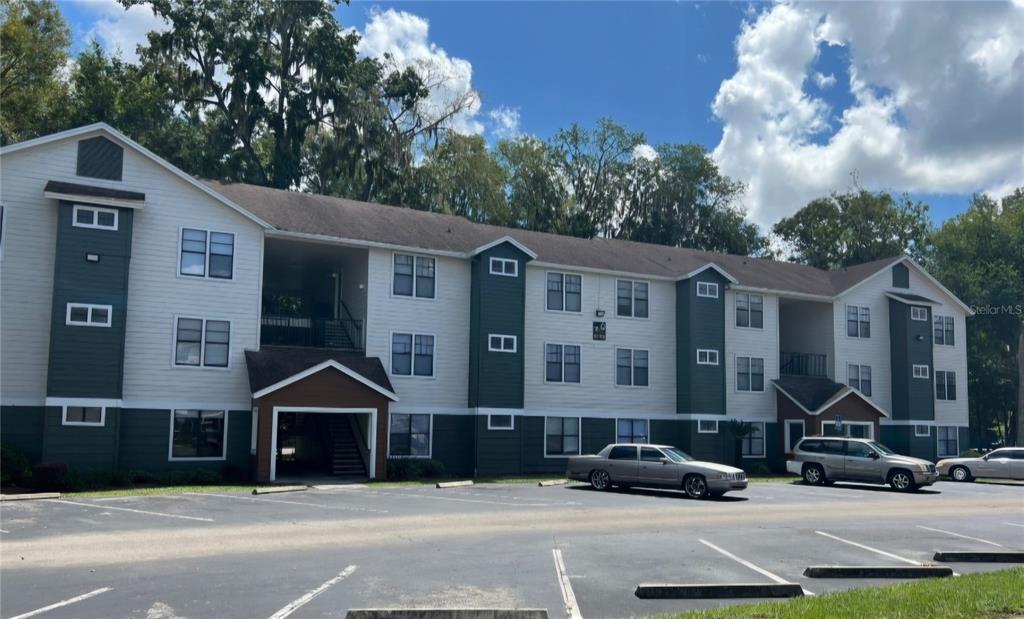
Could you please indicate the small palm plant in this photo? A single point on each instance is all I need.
(739, 430)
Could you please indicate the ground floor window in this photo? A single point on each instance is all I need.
(198, 434)
(707, 426)
(561, 436)
(949, 442)
(83, 416)
(410, 435)
(632, 431)
(753, 444)
(852, 429)
(501, 422)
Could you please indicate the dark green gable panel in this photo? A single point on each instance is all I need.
(145, 442)
(717, 447)
(910, 343)
(900, 276)
(82, 448)
(667, 432)
(21, 427)
(596, 434)
(452, 443)
(87, 362)
(964, 439)
(902, 440)
(499, 452)
(700, 323)
(100, 158)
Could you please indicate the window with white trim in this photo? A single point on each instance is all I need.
(921, 429)
(920, 371)
(753, 443)
(413, 276)
(945, 385)
(504, 266)
(501, 422)
(852, 429)
(501, 343)
(631, 367)
(631, 431)
(943, 326)
(94, 217)
(918, 313)
(561, 436)
(749, 311)
(707, 356)
(707, 426)
(207, 254)
(948, 440)
(859, 377)
(749, 374)
(412, 354)
(631, 298)
(83, 416)
(409, 435)
(858, 321)
(88, 315)
(707, 289)
(564, 292)
(561, 363)
(199, 342)
(198, 435)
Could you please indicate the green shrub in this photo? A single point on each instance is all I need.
(233, 473)
(14, 469)
(760, 469)
(49, 476)
(401, 469)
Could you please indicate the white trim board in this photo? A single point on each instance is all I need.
(330, 363)
(505, 239)
(371, 443)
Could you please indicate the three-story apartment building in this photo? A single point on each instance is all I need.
(153, 321)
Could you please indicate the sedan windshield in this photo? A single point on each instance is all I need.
(675, 455)
(882, 448)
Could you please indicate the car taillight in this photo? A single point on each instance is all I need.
(790, 456)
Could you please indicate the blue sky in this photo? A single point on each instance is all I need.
(764, 86)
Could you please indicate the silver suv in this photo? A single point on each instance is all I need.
(822, 460)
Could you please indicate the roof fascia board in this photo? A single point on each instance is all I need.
(710, 265)
(793, 399)
(597, 271)
(337, 240)
(846, 392)
(910, 302)
(506, 239)
(330, 363)
(803, 296)
(83, 199)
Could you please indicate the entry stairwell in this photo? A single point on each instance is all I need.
(346, 455)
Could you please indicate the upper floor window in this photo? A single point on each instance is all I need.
(88, 315)
(413, 276)
(945, 385)
(631, 431)
(631, 367)
(859, 377)
(944, 330)
(564, 292)
(918, 313)
(561, 363)
(412, 354)
(94, 217)
(561, 436)
(202, 343)
(749, 374)
(631, 299)
(501, 343)
(707, 289)
(749, 310)
(858, 321)
(409, 435)
(920, 371)
(207, 254)
(505, 266)
(707, 356)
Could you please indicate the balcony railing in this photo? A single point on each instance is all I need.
(802, 364)
(344, 333)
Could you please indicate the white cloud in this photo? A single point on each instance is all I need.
(645, 151)
(504, 122)
(824, 81)
(122, 30)
(937, 88)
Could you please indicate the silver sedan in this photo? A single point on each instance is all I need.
(1005, 463)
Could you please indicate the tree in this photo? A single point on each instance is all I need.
(537, 198)
(855, 227)
(461, 177)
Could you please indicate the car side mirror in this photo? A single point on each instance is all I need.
(874, 455)
(665, 460)
(985, 457)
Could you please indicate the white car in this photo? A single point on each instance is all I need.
(1004, 463)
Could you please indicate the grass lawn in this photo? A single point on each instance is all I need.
(974, 596)
(155, 490)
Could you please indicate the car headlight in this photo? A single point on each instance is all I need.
(922, 468)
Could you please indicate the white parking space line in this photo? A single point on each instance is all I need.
(4, 531)
(287, 502)
(302, 601)
(976, 539)
(136, 511)
(1014, 524)
(748, 564)
(869, 548)
(62, 603)
(424, 495)
(572, 609)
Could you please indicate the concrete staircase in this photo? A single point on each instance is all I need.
(346, 459)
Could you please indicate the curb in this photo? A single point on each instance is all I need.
(1006, 556)
(276, 489)
(454, 484)
(693, 592)
(447, 613)
(29, 497)
(552, 482)
(884, 571)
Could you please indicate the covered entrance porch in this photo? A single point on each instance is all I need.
(818, 406)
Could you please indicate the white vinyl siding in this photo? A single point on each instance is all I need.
(748, 342)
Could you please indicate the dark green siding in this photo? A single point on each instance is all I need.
(100, 158)
(498, 452)
(711, 447)
(668, 432)
(901, 439)
(596, 434)
(964, 442)
(910, 343)
(900, 276)
(453, 443)
(146, 435)
(87, 362)
(700, 323)
(82, 448)
(496, 306)
(21, 427)
(533, 448)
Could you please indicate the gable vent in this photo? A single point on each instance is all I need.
(100, 158)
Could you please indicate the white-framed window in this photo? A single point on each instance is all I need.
(564, 292)
(707, 426)
(88, 315)
(200, 342)
(504, 266)
(943, 326)
(749, 311)
(562, 363)
(501, 343)
(84, 415)
(945, 385)
(412, 354)
(561, 436)
(204, 253)
(198, 435)
(413, 276)
(632, 431)
(632, 299)
(918, 313)
(859, 377)
(858, 321)
(749, 374)
(707, 356)
(631, 368)
(920, 371)
(96, 217)
(852, 429)
(753, 444)
(410, 435)
(501, 422)
(707, 289)
(948, 441)
(922, 429)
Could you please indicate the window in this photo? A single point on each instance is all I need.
(564, 292)
(707, 357)
(650, 454)
(198, 435)
(631, 367)
(631, 299)
(948, 441)
(922, 430)
(749, 374)
(918, 313)
(631, 431)
(944, 330)
(561, 436)
(409, 436)
(501, 343)
(707, 426)
(412, 354)
(501, 422)
(858, 321)
(94, 217)
(749, 310)
(83, 416)
(207, 254)
(622, 453)
(945, 385)
(201, 342)
(920, 371)
(753, 444)
(852, 429)
(88, 315)
(859, 450)
(707, 289)
(860, 378)
(413, 276)
(562, 363)
(505, 266)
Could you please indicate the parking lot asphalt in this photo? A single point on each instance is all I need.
(321, 552)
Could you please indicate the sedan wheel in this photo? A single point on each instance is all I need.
(813, 474)
(600, 480)
(902, 481)
(696, 486)
(960, 473)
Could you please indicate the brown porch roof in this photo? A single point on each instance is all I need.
(816, 394)
(274, 367)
